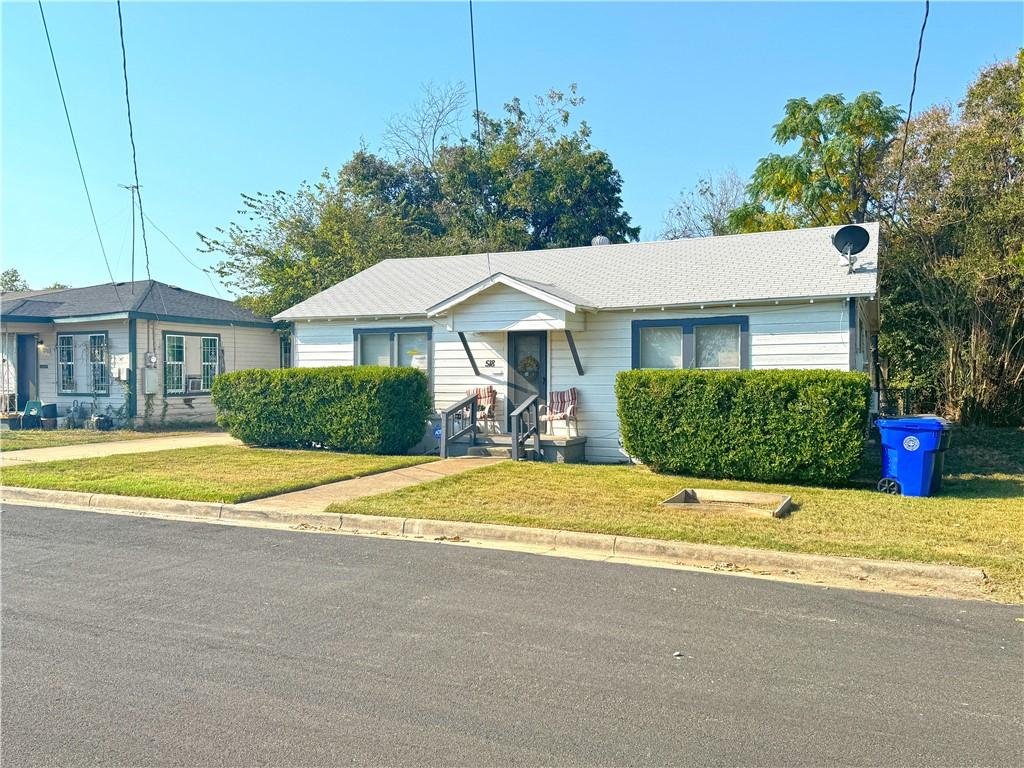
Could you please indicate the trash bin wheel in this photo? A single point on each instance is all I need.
(888, 485)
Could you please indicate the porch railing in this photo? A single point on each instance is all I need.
(457, 422)
(526, 424)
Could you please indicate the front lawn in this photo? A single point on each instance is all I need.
(18, 440)
(978, 519)
(224, 473)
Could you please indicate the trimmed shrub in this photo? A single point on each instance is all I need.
(363, 409)
(803, 426)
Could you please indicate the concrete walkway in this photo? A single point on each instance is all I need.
(93, 450)
(319, 498)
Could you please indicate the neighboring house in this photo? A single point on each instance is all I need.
(542, 321)
(138, 352)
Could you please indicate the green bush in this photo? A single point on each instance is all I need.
(804, 426)
(363, 409)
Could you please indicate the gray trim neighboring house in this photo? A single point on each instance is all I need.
(56, 352)
(163, 357)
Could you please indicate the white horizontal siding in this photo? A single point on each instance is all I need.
(781, 336)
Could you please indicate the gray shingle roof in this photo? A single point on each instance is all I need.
(792, 264)
(143, 296)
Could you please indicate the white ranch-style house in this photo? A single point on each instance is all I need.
(139, 352)
(536, 325)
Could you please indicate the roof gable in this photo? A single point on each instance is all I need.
(547, 293)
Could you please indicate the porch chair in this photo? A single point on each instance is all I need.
(486, 399)
(31, 417)
(561, 406)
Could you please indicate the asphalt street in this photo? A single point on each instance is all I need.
(134, 641)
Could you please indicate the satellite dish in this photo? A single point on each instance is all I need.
(849, 241)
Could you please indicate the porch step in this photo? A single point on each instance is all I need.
(489, 450)
(561, 449)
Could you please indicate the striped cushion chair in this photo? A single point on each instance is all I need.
(561, 406)
(486, 398)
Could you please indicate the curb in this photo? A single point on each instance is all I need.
(955, 580)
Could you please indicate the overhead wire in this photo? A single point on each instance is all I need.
(131, 136)
(479, 130)
(910, 109)
(186, 258)
(78, 156)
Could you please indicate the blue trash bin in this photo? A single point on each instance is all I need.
(913, 454)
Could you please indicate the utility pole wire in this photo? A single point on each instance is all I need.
(476, 91)
(131, 136)
(131, 188)
(186, 258)
(910, 109)
(479, 131)
(78, 157)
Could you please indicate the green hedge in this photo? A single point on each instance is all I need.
(804, 426)
(363, 409)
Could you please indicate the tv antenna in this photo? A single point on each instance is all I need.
(849, 241)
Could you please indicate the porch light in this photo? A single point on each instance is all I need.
(39, 342)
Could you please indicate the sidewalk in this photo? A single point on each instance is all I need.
(94, 450)
(319, 498)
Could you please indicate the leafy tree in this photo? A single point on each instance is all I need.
(832, 176)
(953, 277)
(704, 210)
(300, 244)
(530, 180)
(11, 280)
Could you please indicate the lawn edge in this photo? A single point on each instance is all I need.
(853, 572)
(419, 461)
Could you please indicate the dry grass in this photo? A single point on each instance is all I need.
(978, 519)
(216, 473)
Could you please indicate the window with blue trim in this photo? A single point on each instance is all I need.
(393, 347)
(712, 343)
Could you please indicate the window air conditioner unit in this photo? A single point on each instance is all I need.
(194, 384)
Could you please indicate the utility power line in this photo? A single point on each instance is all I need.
(476, 91)
(131, 188)
(131, 136)
(78, 156)
(186, 258)
(479, 131)
(910, 109)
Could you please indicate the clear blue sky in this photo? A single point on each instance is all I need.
(241, 97)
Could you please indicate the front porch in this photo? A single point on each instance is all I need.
(517, 338)
(466, 430)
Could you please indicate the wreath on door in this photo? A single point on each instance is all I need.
(529, 367)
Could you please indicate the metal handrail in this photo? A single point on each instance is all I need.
(519, 437)
(448, 417)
